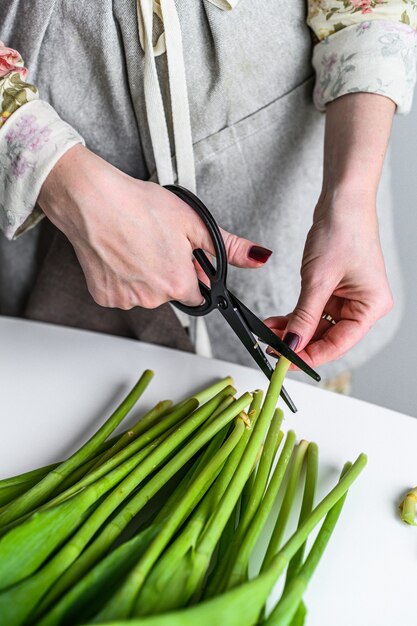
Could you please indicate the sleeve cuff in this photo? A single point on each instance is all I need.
(31, 142)
(372, 57)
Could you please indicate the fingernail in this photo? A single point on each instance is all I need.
(271, 352)
(292, 340)
(259, 254)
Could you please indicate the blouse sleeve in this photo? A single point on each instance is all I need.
(364, 46)
(32, 139)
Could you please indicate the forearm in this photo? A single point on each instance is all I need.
(32, 139)
(357, 133)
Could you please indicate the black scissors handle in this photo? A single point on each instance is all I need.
(243, 322)
(217, 295)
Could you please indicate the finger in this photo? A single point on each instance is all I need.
(243, 252)
(240, 252)
(278, 325)
(201, 275)
(192, 296)
(333, 307)
(183, 285)
(338, 340)
(305, 318)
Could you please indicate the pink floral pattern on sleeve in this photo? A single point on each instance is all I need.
(14, 90)
(25, 138)
(11, 61)
(326, 17)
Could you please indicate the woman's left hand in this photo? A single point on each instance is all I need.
(342, 274)
(343, 271)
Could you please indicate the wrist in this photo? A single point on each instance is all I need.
(58, 182)
(349, 190)
(347, 203)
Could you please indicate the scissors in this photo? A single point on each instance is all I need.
(247, 326)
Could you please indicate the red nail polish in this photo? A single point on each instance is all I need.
(271, 352)
(259, 254)
(292, 340)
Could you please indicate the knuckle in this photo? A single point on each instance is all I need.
(382, 307)
(232, 243)
(99, 296)
(182, 293)
(125, 304)
(304, 316)
(150, 300)
(177, 289)
(387, 305)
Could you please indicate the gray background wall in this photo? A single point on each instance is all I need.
(390, 379)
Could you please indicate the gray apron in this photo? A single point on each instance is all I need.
(59, 295)
(257, 136)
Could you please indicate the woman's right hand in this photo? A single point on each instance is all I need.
(133, 239)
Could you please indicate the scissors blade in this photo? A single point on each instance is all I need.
(263, 332)
(239, 326)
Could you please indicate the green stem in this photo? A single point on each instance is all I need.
(307, 504)
(142, 425)
(248, 488)
(273, 439)
(144, 442)
(220, 516)
(287, 503)
(288, 605)
(31, 476)
(241, 606)
(222, 572)
(10, 492)
(121, 604)
(240, 561)
(38, 494)
(204, 395)
(87, 596)
(63, 560)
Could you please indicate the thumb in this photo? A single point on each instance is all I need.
(305, 318)
(244, 253)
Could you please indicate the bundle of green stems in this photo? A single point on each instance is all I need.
(157, 526)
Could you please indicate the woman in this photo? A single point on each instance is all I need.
(226, 87)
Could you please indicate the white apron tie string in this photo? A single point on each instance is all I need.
(171, 42)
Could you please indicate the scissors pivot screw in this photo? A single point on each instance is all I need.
(222, 303)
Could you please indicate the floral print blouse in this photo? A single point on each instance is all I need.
(360, 46)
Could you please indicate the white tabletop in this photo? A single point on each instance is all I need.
(58, 384)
